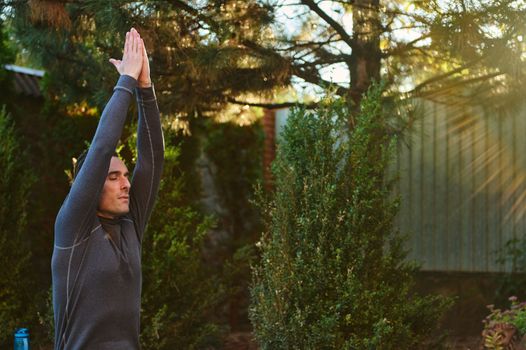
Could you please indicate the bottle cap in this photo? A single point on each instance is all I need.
(22, 333)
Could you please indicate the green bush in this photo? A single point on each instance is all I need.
(512, 259)
(504, 328)
(16, 303)
(179, 293)
(333, 273)
(237, 152)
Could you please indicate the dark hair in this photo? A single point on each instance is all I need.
(80, 161)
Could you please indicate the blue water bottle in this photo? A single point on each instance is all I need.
(22, 339)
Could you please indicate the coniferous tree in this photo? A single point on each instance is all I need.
(198, 59)
(333, 273)
(211, 53)
(7, 56)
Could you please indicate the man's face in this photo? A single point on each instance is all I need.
(114, 199)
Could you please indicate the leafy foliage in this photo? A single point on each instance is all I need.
(512, 258)
(236, 153)
(180, 293)
(504, 327)
(332, 272)
(16, 307)
(515, 315)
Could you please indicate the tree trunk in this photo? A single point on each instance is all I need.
(365, 60)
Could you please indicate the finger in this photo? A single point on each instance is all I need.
(127, 43)
(139, 42)
(134, 41)
(144, 53)
(115, 62)
(139, 46)
(135, 35)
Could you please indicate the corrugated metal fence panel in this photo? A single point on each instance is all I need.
(462, 186)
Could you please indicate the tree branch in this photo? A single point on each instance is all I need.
(312, 76)
(419, 93)
(183, 5)
(297, 44)
(443, 76)
(335, 25)
(405, 46)
(266, 52)
(272, 105)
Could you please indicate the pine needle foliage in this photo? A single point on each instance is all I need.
(200, 58)
(208, 54)
(333, 273)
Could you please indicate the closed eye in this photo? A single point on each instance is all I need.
(114, 175)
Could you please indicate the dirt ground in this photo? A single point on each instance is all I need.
(245, 341)
(464, 343)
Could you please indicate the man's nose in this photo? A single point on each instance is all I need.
(125, 183)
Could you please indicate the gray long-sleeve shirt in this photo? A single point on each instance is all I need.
(97, 280)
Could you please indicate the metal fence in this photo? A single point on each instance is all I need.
(462, 186)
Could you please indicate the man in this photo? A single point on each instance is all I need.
(96, 264)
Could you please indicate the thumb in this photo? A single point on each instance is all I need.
(115, 62)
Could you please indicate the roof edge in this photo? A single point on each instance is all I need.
(24, 70)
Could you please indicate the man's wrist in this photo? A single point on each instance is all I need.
(126, 82)
(145, 94)
(134, 76)
(144, 84)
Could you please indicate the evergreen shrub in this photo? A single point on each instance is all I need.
(16, 288)
(333, 273)
(236, 152)
(180, 293)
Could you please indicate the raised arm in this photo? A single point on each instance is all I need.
(80, 205)
(150, 151)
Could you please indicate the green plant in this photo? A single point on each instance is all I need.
(236, 152)
(16, 288)
(503, 327)
(333, 273)
(180, 293)
(494, 341)
(515, 315)
(512, 259)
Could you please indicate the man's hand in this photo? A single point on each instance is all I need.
(132, 57)
(144, 78)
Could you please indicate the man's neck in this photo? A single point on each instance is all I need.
(106, 215)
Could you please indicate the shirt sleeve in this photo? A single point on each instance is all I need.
(150, 158)
(74, 218)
